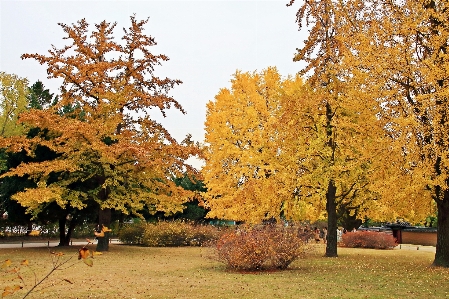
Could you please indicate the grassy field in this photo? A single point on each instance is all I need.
(138, 272)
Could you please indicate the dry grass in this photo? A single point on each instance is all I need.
(138, 272)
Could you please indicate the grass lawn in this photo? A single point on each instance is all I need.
(139, 272)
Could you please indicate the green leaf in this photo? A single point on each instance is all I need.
(89, 262)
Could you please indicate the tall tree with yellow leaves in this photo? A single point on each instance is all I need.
(242, 155)
(405, 64)
(337, 138)
(109, 151)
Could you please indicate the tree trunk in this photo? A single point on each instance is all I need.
(62, 237)
(331, 207)
(104, 219)
(442, 247)
(29, 227)
(68, 236)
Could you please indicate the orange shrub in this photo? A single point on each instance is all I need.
(368, 239)
(260, 248)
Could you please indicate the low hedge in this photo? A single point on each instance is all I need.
(368, 239)
(169, 233)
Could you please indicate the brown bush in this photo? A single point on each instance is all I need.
(260, 248)
(368, 239)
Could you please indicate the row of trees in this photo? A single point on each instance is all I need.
(367, 129)
(394, 52)
(281, 149)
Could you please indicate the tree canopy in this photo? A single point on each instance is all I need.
(241, 157)
(392, 53)
(13, 101)
(108, 149)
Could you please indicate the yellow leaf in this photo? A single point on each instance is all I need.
(88, 262)
(6, 263)
(5, 293)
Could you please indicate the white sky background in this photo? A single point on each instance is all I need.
(206, 41)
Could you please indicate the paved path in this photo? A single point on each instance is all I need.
(416, 247)
(31, 244)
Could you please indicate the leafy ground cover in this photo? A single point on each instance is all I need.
(191, 272)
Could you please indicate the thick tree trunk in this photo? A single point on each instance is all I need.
(331, 207)
(442, 247)
(62, 236)
(104, 219)
(68, 236)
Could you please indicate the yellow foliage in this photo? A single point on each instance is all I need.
(13, 101)
(370, 63)
(241, 156)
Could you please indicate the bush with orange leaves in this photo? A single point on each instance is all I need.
(266, 247)
(368, 239)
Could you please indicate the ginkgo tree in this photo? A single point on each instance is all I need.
(338, 57)
(330, 131)
(242, 149)
(405, 66)
(13, 101)
(348, 157)
(109, 151)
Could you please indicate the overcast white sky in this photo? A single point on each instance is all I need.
(206, 41)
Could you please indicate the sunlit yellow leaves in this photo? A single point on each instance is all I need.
(13, 101)
(242, 157)
(32, 198)
(376, 64)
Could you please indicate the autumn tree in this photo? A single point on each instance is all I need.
(242, 150)
(13, 101)
(405, 66)
(339, 140)
(109, 152)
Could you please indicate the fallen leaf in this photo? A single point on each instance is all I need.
(83, 253)
(6, 264)
(89, 262)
